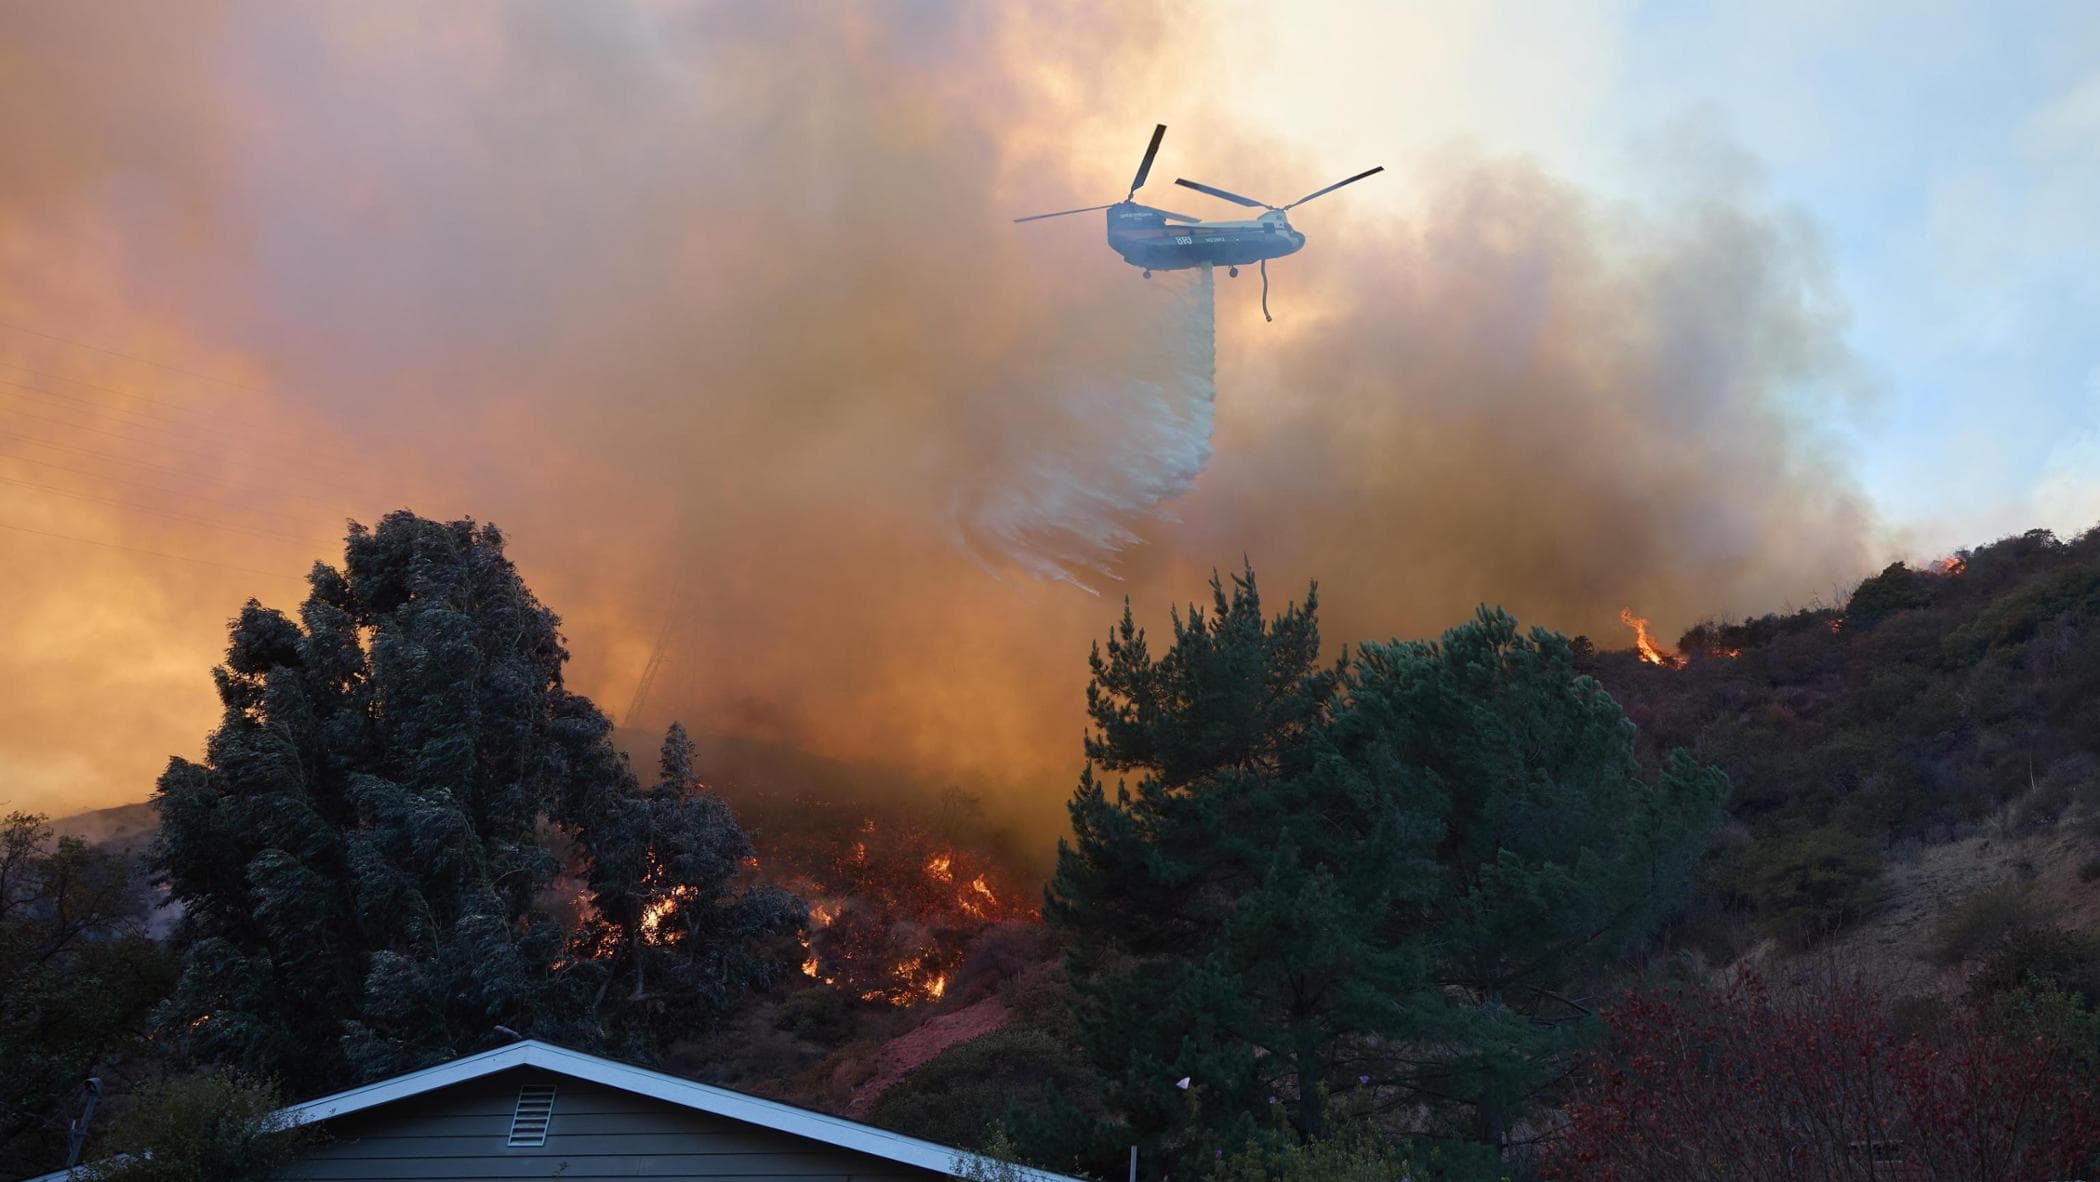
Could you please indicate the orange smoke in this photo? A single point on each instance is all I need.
(756, 384)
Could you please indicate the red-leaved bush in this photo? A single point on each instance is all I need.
(1740, 1084)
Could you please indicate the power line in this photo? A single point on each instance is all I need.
(207, 457)
(193, 427)
(145, 484)
(189, 373)
(169, 513)
(250, 570)
(118, 391)
(103, 455)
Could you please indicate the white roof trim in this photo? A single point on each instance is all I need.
(801, 1122)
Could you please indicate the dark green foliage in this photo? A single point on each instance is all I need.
(360, 856)
(1355, 1156)
(211, 1127)
(2040, 956)
(1336, 889)
(1969, 930)
(1896, 589)
(819, 1015)
(1554, 852)
(961, 1096)
(77, 979)
(1805, 887)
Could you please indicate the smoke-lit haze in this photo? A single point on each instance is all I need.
(719, 313)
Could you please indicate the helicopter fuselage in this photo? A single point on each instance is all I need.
(1145, 238)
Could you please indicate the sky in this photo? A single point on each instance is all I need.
(718, 311)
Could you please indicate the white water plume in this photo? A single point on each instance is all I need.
(1111, 440)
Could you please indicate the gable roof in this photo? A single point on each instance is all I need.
(699, 1097)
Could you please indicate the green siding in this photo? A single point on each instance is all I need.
(596, 1133)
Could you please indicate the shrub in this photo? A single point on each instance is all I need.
(1971, 929)
(1809, 887)
(959, 1095)
(1741, 1084)
(213, 1127)
(2049, 957)
(818, 1013)
(1357, 1155)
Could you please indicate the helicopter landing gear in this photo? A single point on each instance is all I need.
(1148, 273)
(1232, 273)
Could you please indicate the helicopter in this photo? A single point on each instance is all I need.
(1142, 235)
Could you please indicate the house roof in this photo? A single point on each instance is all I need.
(699, 1097)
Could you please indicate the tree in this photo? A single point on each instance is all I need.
(78, 976)
(1338, 890)
(1552, 854)
(360, 854)
(688, 933)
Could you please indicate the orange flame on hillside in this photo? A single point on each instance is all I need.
(1952, 564)
(1645, 643)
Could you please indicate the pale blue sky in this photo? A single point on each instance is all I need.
(1947, 155)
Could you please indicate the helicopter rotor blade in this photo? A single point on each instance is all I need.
(1036, 217)
(1145, 165)
(1235, 198)
(1336, 185)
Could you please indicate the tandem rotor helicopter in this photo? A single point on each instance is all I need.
(1140, 233)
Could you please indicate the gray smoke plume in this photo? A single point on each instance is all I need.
(725, 302)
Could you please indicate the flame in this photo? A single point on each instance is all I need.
(938, 865)
(809, 963)
(936, 987)
(1836, 624)
(1952, 564)
(1645, 643)
(201, 1019)
(654, 915)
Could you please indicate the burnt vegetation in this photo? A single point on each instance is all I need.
(1499, 905)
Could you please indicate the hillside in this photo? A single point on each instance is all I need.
(1915, 782)
(1935, 706)
(1914, 791)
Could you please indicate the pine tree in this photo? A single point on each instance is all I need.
(1340, 889)
(1226, 926)
(1554, 852)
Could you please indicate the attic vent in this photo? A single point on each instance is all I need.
(528, 1126)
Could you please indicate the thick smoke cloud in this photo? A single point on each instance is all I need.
(718, 312)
